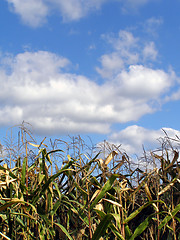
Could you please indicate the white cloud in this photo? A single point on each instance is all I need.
(151, 25)
(141, 82)
(150, 52)
(35, 12)
(76, 9)
(111, 64)
(36, 87)
(133, 138)
(126, 50)
(125, 40)
(174, 97)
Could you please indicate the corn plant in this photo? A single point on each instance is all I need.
(70, 191)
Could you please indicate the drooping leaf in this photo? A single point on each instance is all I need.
(168, 186)
(63, 229)
(15, 201)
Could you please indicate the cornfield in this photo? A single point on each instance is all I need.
(72, 191)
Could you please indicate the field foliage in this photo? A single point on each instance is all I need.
(74, 191)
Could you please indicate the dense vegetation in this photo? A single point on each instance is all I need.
(72, 191)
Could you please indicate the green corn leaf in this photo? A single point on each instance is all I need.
(56, 206)
(100, 213)
(32, 167)
(117, 218)
(48, 229)
(128, 232)
(63, 229)
(116, 232)
(57, 189)
(40, 191)
(102, 227)
(64, 169)
(112, 226)
(170, 228)
(23, 174)
(107, 186)
(95, 182)
(42, 235)
(135, 213)
(177, 218)
(141, 227)
(80, 189)
(169, 217)
(41, 178)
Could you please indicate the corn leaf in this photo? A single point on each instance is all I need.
(15, 201)
(4, 236)
(169, 217)
(107, 186)
(23, 174)
(116, 232)
(136, 212)
(141, 227)
(102, 227)
(64, 231)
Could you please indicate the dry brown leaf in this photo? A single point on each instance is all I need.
(113, 202)
(167, 187)
(148, 192)
(95, 195)
(110, 157)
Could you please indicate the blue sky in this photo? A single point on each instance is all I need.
(106, 69)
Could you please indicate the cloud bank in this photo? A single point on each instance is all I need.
(134, 138)
(37, 87)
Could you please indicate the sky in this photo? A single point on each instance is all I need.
(108, 69)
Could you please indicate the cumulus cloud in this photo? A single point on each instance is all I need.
(134, 138)
(141, 82)
(126, 50)
(36, 87)
(32, 12)
(35, 12)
